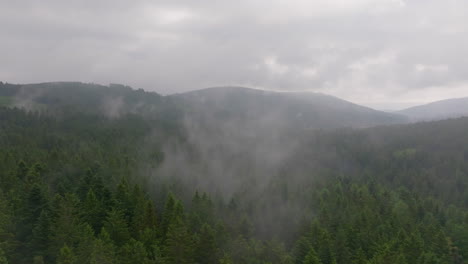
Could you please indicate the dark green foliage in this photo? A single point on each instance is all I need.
(178, 246)
(66, 256)
(206, 250)
(92, 211)
(103, 250)
(3, 258)
(311, 257)
(117, 226)
(36, 203)
(66, 226)
(41, 234)
(133, 252)
(302, 248)
(168, 214)
(80, 185)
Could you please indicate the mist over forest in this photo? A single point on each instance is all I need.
(110, 174)
(234, 132)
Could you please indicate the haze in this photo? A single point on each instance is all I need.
(387, 54)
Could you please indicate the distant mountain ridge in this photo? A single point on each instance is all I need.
(450, 108)
(297, 109)
(235, 106)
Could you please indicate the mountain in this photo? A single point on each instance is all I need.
(451, 108)
(298, 110)
(94, 174)
(234, 106)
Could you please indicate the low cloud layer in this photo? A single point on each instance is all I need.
(368, 51)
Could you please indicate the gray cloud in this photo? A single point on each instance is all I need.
(366, 51)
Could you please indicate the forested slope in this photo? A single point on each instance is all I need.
(450, 108)
(78, 185)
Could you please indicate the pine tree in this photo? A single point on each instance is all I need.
(311, 258)
(37, 201)
(34, 174)
(325, 252)
(123, 200)
(343, 254)
(21, 170)
(168, 214)
(155, 255)
(145, 217)
(428, 258)
(178, 247)
(92, 211)
(103, 251)
(133, 252)
(41, 234)
(66, 256)
(360, 257)
(38, 260)
(117, 227)
(85, 243)
(6, 226)
(301, 249)
(412, 246)
(150, 219)
(3, 258)
(150, 239)
(226, 259)
(206, 250)
(66, 225)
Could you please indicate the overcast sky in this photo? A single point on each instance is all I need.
(381, 53)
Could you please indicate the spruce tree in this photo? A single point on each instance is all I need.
(66, 256)
(117, 227)
(206, 250)
(311, 257)
(178, 246)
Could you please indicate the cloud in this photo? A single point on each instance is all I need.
(367, 51)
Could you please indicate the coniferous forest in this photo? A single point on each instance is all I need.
(108, 174)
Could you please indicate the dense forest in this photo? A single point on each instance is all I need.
(108, 174)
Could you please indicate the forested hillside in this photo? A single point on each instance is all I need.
(298, 110)
(451, 108)
(96, 174)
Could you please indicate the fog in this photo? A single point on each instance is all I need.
(387, 54)
(249, 131)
